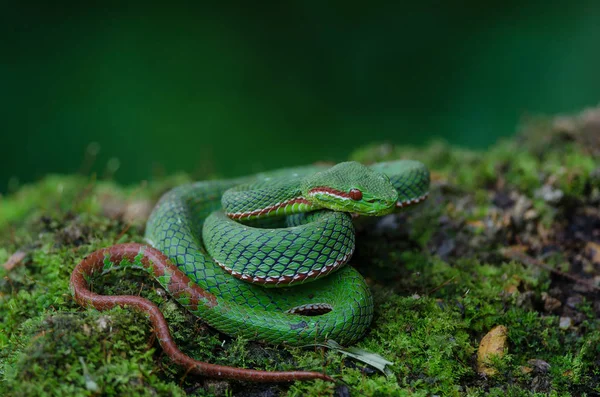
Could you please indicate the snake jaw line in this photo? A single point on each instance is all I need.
(408, 203)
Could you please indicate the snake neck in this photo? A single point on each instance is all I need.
(284, 198)
(287, 207)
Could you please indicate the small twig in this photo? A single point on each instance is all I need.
(125, 230)
(90, 155)
(13, 235)
(85, 192)
(441, 285)
(528, 260)
(140, 290)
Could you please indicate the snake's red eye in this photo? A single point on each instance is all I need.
(355, 194)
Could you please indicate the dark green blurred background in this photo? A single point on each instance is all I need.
(238, 88)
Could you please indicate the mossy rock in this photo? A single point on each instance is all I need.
(509, 236)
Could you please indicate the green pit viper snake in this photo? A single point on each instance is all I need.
(213, 247)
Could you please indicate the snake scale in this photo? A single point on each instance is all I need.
(262, 256)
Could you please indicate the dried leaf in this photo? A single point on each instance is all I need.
(492, 344)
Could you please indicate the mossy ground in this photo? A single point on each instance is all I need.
(442, 276)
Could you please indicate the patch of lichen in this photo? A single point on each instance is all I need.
(438, 273)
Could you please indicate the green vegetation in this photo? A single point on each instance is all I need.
(439, 273)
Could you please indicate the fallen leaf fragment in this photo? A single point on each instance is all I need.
(593, 251)
(511, 289)
(550, 303)
(525, 369)
(564, 323)
(138, 211)
(14, 260)
(517, 248)
(476, 224)
(492, 344)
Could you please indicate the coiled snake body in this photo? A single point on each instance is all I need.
(213, 252)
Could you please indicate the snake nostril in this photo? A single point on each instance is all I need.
(314, 309)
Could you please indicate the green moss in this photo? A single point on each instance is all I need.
(438, 275)
(83, 354)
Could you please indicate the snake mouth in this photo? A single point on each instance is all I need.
(311, 309)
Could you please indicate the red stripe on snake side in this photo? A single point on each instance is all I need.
(330, 191)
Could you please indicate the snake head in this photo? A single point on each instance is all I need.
(351, 187)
